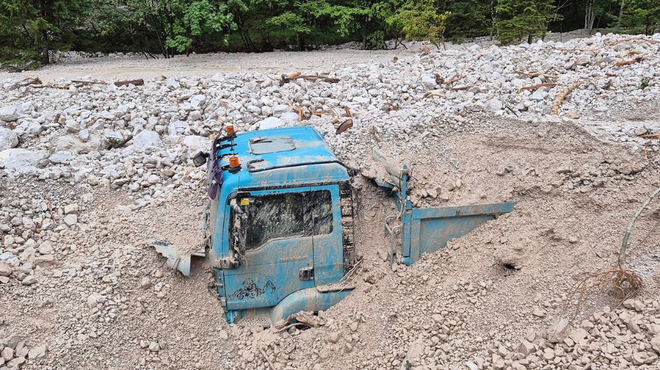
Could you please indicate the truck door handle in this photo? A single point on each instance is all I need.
(306, 273)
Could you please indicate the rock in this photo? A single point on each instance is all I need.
(5, 269)
(9, 114)
(579, 336)
(7, 353)
(71, 219)
(268, 123)
(60, 157)
(333, 337)
(223, 335)
(145, 283)
(415, 352)
(548, 354)
(37, 352)
(525, 348)
(8, 139)
(498, 362)
(16, 363)
(557, 332)
(494, 105)
(146, 139)
(197, 143)
(21, 160)
(428, 81)
(655, 343)
(154, 347)
(71, 208)
(45, 248)
(29, 280)
(539, 312)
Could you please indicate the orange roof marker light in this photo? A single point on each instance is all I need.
(230, 130)
(234, 164)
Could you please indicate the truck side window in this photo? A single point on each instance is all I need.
(321, 211)
(273, 216)
(288, 215)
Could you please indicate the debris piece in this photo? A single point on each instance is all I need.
(138, 82)
(562, 95)
(536, 74)
(628, 62)
(534, 87)
(288, 78)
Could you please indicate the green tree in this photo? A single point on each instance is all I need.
(420, 20)
(523, 19)
(641, 16)
(31, 29)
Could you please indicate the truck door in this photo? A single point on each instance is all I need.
(278, 232)
(328, 248)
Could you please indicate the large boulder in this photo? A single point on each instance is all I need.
(197, 143)
(21, 160)
(13, 113)
(146, 139)
(8, 139)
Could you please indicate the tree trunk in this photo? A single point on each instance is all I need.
(618, 21)
(589, 15)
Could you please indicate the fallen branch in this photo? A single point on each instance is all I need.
(536, 74)
(650, 136)
(632, 39)
(628, 62)
(119, 144)
(624, 244)
(66, 87)
(25, 82)
(459, 88)
(348, 122)
(138, 82)
(534, 87)
(562, 95)
(294, 76)
(87, 83)
(270, 364)
(434, 94)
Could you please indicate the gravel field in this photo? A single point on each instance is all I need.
(566, 129)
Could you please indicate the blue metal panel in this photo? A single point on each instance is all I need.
(432, 228)
(328, 249)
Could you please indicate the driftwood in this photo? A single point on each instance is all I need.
(650, 136)
(263, 353)
(632, 39)
(534, 87)
(138, 82)
(297, 75)
(25, 82)
(536, 74)
(628, 62)
(434, 94)
(459, 88)
(348, 123)
(562, 95)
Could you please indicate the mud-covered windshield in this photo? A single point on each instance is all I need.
(287, 215)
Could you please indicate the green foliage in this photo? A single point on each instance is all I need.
(523, 19)
(420, 20)
(642, 16)
(30, 30)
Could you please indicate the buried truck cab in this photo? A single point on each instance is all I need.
(279, 227)
(280, 224)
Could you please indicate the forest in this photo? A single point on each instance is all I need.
(31, 31)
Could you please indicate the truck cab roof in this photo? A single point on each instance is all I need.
(280, 157)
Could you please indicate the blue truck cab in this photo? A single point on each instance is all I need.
(280, 223)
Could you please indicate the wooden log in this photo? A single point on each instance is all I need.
(562, 95)
(138, 82)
